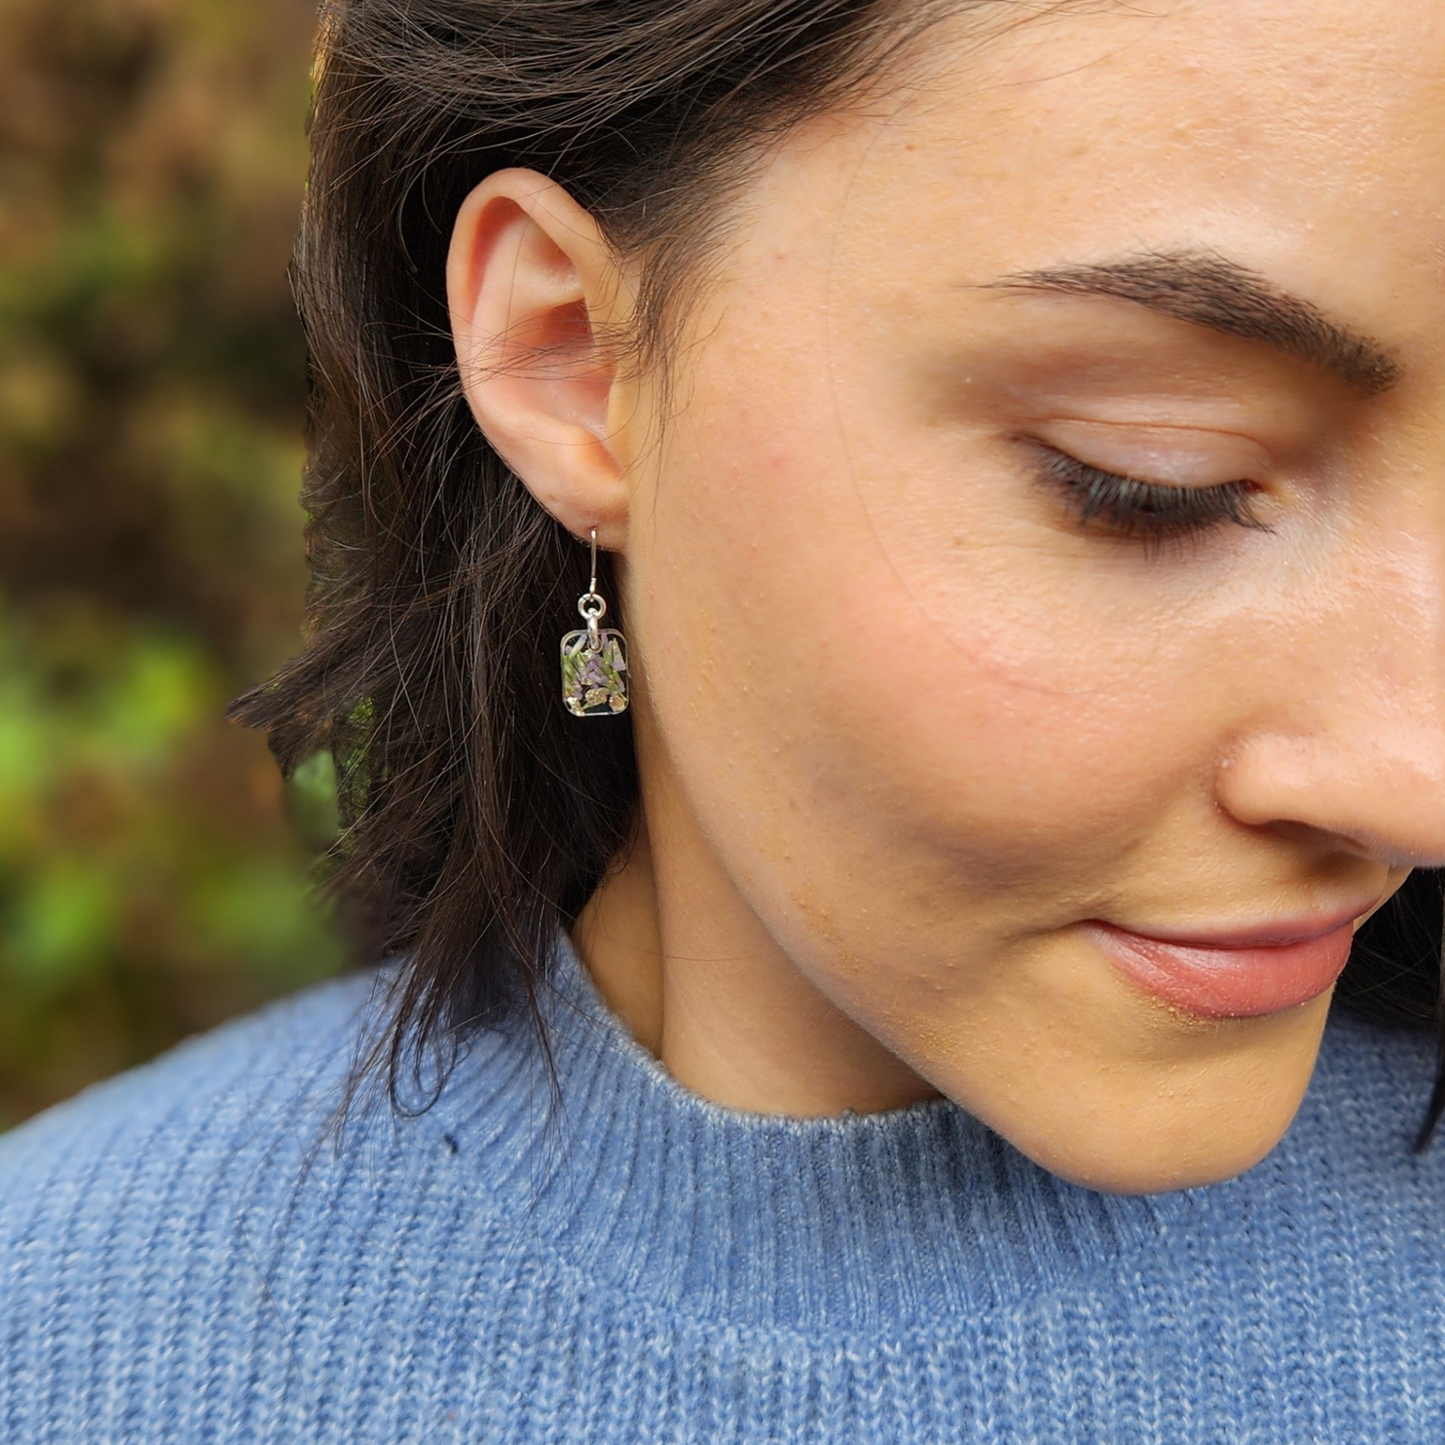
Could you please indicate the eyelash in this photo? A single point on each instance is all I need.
(1148, 510)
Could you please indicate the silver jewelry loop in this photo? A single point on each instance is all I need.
(594, 609)
(594, 662)
(592, 605)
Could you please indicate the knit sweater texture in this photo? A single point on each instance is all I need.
(188, 1256)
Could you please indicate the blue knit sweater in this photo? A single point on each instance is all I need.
(186, 1257)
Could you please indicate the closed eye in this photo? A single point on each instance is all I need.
(1130, 507)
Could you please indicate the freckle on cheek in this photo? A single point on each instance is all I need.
(818, 914)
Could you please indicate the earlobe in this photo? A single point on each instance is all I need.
(532, 285)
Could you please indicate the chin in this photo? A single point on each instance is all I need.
(1150, 1128)
(1126, 1171)
(1156, 1149)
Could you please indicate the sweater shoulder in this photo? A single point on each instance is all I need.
(177, 1243)
(160, 1161)
(215, 1092)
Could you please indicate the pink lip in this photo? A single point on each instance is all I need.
(1240, 973)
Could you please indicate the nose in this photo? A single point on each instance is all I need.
(1351, 744)
(1385, 801)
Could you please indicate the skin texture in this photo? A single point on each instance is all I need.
(904, 724)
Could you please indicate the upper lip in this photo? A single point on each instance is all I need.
(1274, 934)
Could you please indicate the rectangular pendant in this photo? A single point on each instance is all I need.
(594, 683)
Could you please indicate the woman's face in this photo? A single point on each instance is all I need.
(931, 695)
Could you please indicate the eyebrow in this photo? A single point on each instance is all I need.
(1213, 291)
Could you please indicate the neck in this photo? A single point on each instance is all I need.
(678, 955)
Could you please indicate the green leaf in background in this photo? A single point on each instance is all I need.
(259, 912)
(56, 933)
(314, 805)
(155, 871)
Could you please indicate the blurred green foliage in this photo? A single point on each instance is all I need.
(154, 871)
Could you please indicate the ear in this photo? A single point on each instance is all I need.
(532, 284)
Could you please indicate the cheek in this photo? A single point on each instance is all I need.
(872, 679)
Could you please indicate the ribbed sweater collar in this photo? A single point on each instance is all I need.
(901, 1218)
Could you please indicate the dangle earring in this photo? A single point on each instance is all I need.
(594, 659)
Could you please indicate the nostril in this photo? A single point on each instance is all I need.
(1377, 798)
(1395, 853)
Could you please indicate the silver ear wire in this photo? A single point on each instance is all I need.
(594, 658)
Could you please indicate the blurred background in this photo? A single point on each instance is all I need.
(155, 873)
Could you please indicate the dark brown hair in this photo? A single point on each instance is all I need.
(478, 816)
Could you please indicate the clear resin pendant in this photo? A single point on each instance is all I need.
(594, 672)
(594, 659)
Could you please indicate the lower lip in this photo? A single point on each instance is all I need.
(1227, 982)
